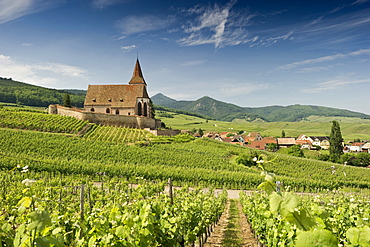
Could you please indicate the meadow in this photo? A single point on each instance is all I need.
(351, 128)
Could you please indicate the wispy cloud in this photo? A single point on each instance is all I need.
(313, 69)
(61, 69)
(237, 89)
(360, 2)
(193, 63)
(338, 83)
(142, 23)
(102, 4)
(325, 59)
(31, 73)
(13, 9)
(216, 25)
(128, 48)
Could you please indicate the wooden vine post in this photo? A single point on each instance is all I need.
(170, 192)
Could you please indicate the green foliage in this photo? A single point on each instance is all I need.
(295, 150)
(53, 214)
(360, 159)
(336, 140)
(316, 238)
(20, 118)
(359, 236)
(27, 94)
(246, 160)
(67, 100)
(282, 134)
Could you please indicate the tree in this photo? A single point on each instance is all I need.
(67, 100)
(200, 132)
(272, 147)
(336, 142)
(283, 134)
(295, 150)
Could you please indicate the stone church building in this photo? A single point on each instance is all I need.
(118, 105)
(129, 100)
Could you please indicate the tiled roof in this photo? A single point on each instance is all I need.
(366, 146)
(253, 134)
(115, 95)
(269, 140)
(286, 141)
(137, 76)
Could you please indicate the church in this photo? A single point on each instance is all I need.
(128, 100)
(125, 105)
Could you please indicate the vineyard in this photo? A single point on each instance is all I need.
(34, 120)
(279, 217)
(70, 183)
(71, 211)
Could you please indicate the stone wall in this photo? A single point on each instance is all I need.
(164, 132)
(107, 119)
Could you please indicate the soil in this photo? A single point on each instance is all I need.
(217, 236)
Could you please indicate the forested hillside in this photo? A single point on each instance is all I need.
(27, 94)
(227, 112)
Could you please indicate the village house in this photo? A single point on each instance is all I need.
(366, 147)
(285, 142)
(355, 147)
(321, 141)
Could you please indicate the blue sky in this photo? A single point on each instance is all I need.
(249, 52)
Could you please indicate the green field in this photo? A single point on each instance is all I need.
(351, 128)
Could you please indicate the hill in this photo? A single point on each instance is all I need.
(26, 94)
(228, 112)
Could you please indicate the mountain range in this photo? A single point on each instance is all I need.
(228, 112)
(27, 94)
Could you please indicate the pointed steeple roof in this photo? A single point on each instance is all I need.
(137, 76)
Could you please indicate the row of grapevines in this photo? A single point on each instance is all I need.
(45, 214)
(118, 134)
(11, 118)
(201, 162)
(285, 219)
(338, 218)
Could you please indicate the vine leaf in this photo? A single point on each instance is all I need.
(317, 238)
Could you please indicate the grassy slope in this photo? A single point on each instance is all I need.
(351, 128)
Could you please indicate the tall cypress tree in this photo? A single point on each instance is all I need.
(67, 100)
(336, 140)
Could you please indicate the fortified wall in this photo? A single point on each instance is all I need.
(139, 122)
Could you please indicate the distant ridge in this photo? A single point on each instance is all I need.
(222, 111)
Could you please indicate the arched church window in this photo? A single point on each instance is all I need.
(107, 110)
(139, 109)
(117, 112)
(92, 109)
(145, 109)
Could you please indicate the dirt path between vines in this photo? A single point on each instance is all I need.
(232, 229)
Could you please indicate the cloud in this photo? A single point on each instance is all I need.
(128, 48)
(102, 4)
(360, 2)
(193, 63)
(313, 69)
(143, 23)
(325, 59)
(236, 89)
(32, 73)
(216, 25)
(62, 69)
(13, 9)
(338, 83)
